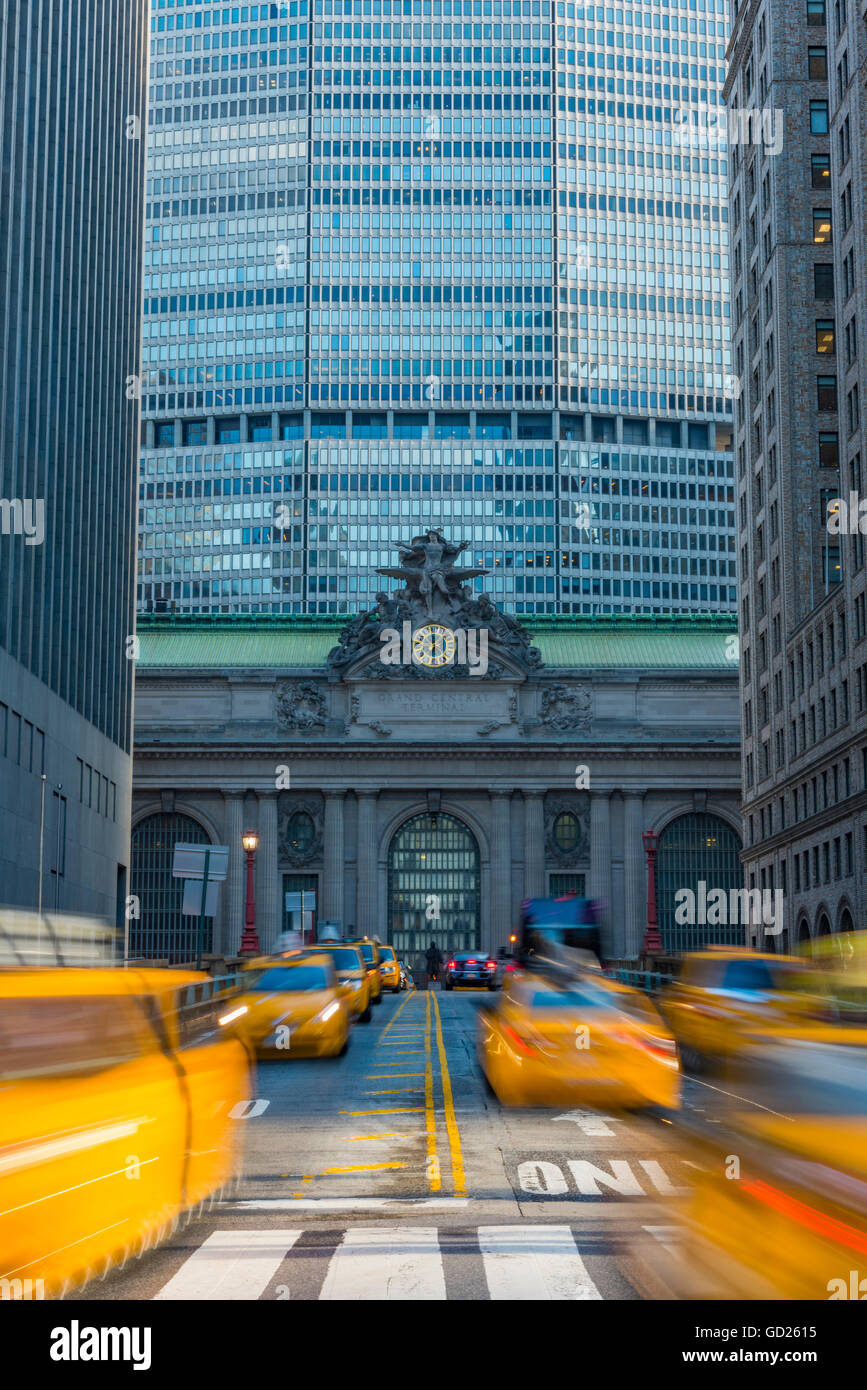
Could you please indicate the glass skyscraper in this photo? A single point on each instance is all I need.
(435, 262)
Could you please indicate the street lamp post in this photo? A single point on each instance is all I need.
(249, 937)
(652, 940)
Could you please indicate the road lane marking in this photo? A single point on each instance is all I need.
(359, 1138)
(401, 1110)
(372, 1264)
(394, 1091)
(230, 1265)
(527, 1262)
(734, 1096)
(341, 1204)
(458, 1178)
(395, 1016)
(432, 1163)
(394, 1076)
(364, 1168)
(589, 1122)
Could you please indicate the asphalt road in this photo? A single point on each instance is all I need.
(393, 1173)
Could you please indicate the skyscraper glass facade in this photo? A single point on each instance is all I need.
(443, 262)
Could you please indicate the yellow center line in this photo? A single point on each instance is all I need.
(433, 1163)
(396, 1091)
(401, 1110)
(364, 1167)
(396, 1015)
(458, 1178)
(360, 1138)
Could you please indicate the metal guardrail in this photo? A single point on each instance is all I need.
(648, 980)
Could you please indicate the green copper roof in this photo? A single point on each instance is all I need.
(278, 641)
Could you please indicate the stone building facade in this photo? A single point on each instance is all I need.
(420, 800)
(798, 278)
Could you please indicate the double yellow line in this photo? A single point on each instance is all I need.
(459, 1185)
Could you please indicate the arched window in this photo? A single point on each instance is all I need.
(162, 932)
(300, 832)
(567, 832)
(433, 886)
(695, 850)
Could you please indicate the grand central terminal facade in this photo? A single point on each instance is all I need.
(418, 771)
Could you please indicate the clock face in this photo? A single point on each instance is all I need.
(433, 645)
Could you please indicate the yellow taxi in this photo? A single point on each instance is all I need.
(119, 1092)
(556, 1041)
(841, 960)
(370, 951)
(294, 1006)
(389, 968)
(778, 1208)
(728, 996)
(351, 976)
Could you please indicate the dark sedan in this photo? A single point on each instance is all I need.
(470, 969)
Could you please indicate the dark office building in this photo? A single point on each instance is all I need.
(72, 74)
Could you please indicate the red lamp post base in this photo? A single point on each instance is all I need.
(250, 942)
(652, 943)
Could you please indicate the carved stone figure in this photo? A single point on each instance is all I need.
(433, 590)
(301, 706)
(566, 708)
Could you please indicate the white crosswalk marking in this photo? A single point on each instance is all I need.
(230, 1265)
(375, 1263)
(389, 1263)
(532, 1263)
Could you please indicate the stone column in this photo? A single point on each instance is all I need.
(534, 844)
(268, 915)
(233, 889)
(600, 868)
(634, 884)
(365, 911)
(331, 907)
(501, 869)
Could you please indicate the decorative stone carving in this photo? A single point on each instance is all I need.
(288, 804)
(433, 590)
(301, 706)
(501, 723)
(566, 707)
(578, 806)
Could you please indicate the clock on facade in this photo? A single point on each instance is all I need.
(433, 645)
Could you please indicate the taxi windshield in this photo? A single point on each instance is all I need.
(367, 950)
(386, 953)
(290, 979)
(345, 959)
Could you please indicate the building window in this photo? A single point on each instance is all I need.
(824, 335)
(260, 427)
(815, 11)
(164, 434)
(829, 450)
(817, 62)
(163, 932)
(195, 432)
(826, 392)
(292, 426)
(820, 170)
(567, 832)
(228, 430)
(819, 117)
(566, 885)
(821, 226)
(695, 848)
(301, 832)
(823, 281)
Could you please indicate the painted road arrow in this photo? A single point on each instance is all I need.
(589, 1121)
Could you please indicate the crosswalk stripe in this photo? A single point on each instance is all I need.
(375, 1264)
(230, 1265)
(534, 1263)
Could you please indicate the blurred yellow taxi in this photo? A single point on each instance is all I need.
(841, 960)
(351, 976)
(551, 1041)
(370, 951)
(294, 1007)
(779, 1201)
(389, 968)
(727, 997)
(117, 1093)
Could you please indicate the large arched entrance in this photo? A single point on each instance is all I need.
(433, 886)
(695, 849)
(162, 932)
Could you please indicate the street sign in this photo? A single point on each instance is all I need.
(301, 902)
(192, 905)
(200, 864)
(189, 861)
